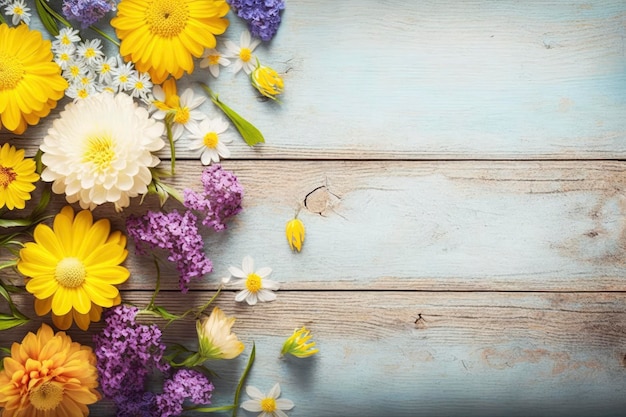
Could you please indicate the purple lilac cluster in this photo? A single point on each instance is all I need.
(87, 12)
(184, 384)
(262, 16)
(178, 235)
(126, 353)
(221, 199)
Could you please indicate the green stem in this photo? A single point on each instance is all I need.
(2, 19)
(243, 379)
(54, 14)
(170, 138)
(157, 286)
(211, 409)
(104, 35)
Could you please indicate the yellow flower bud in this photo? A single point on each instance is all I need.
(297, 345)
(295, 234)
(267, 81)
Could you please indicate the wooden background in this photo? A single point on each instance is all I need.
(460, 170)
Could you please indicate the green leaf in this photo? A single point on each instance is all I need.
(8, 322)
(250, 134)
(212, 409)
(164, 313)
(46, 18)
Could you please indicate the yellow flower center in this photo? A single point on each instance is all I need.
(139, 85)
(64, 57)
(65, 40)
(11, 71)
(105, 68)
(123, 78)
(75, 70)
(182, 115)
(211, 140)
(18, 10)
(47, 396)
(100, 152)
(253, 283)
(245, 54)
(82, 93)
(214, 59)
(90, 53)
(7, 176)
(167, 18)
(70, 272)
(268, 405)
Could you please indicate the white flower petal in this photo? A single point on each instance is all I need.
(275, 391)
(265, 296)
(279, 413)
(252, 298)
(242, 295)
(236, 272)
(247, 265)
(284, 404)
(251, 405)
(270, 284)
(254, 393)
(264, 272)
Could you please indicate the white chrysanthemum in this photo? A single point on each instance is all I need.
(101, 150)
(19, 11)
(269, 405)
(256, 286)
(67, 37)
(207, 136)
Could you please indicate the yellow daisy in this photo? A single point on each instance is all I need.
(17, 176)
(48, 375)
(30, 81)
(162, 36)
(73, 267)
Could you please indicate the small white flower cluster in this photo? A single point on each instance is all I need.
(89, 71)
(18, 9)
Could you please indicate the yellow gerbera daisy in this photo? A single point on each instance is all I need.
(48, 375)
(161, 36)
(73, 268)
(30, 81)
(17, 176)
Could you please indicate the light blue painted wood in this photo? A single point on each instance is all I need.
(448, 79)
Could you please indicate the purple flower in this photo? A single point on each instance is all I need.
(184, 384)
(126, 354)
(221, 200)
(178, 235)
(87, 12)
(262, 16)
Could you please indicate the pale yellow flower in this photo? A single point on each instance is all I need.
(295, 234)
(215, 339)
(297, 345)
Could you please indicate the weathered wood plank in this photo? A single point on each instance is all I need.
(419, 225)
(436, 80)
(483, 354)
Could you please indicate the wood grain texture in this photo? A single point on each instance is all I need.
(435, 80)
(470, 354)
(417, 225)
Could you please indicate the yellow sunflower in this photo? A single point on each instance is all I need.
(162, 36)
(30, 81)
(17, 176)
(73, 267)
(48, 375)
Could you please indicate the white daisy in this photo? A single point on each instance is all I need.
(269, 405)
(100, 150)
(90, 51)
(141, 86)
(67, 38)
(75, 70)
(213, 58)
(243, 52)
(63, 57)
(19, 11)
(104, 68)
(123, 75)
(207, 135)
(78, 91)
(256, 286)
(166, 101)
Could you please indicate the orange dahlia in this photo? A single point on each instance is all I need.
(161, 37)
(48, 375)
